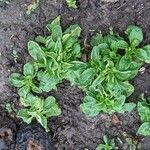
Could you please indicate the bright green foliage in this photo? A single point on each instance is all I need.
(39, 109)
(71, 3)
(108, 144)
(112, 64)
(144, 112)
(54, 54)
(25, 82)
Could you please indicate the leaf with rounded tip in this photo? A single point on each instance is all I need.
(30, 69)
(23, 113)
(144, 129)
(23, 91)
(51, 108)
(135, 35)
(36, 52)
(16, 79)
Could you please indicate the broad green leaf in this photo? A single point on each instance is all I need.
(76, 53)
(141, 54)
(50, 44)
(144, 129)
(144, 111)
(23, 113)
(147, 49)
(23, 91)
(97, 39)
(121, 44)
(126, 75)
(47, 81)
(87, 76)
(55, 29)
(30, 69)
(128, 107)
(135, 35)
(124, 63)
(95, 54)
(16, 79)
(51, 107)
(36, 52)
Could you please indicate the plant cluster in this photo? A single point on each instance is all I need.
(105, 77)
(113, 61)
(52, 56)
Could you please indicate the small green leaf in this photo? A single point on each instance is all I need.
(23, 113)
(51, 107)
(23, 91)
(16, 79)
(144, 129)
(55, 29)
(30, 69)
(124, 63)
(97, 39)
(71, 3)
(89, 106)
(141, 54)
(73, 31)
(87, 76)
(36, 52)
(128, 107)
(144, 111)
(135, 35)
(47, 81)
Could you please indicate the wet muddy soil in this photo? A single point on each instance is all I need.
(72, 130)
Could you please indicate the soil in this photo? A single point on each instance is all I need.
(72, 130)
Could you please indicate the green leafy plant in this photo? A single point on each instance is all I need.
(71, 3)
(54, 54)
(108, 144)
(113, 62)
(39, 109)
(144, 112)
(25, 82)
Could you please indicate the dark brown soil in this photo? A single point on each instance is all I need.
(72, 130)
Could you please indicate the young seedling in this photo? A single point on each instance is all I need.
(39, 109)
(32, 7)
(25, 82)
(71, 3)
(108, 144)
(144, 112)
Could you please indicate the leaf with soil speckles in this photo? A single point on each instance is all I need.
(144, 129)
